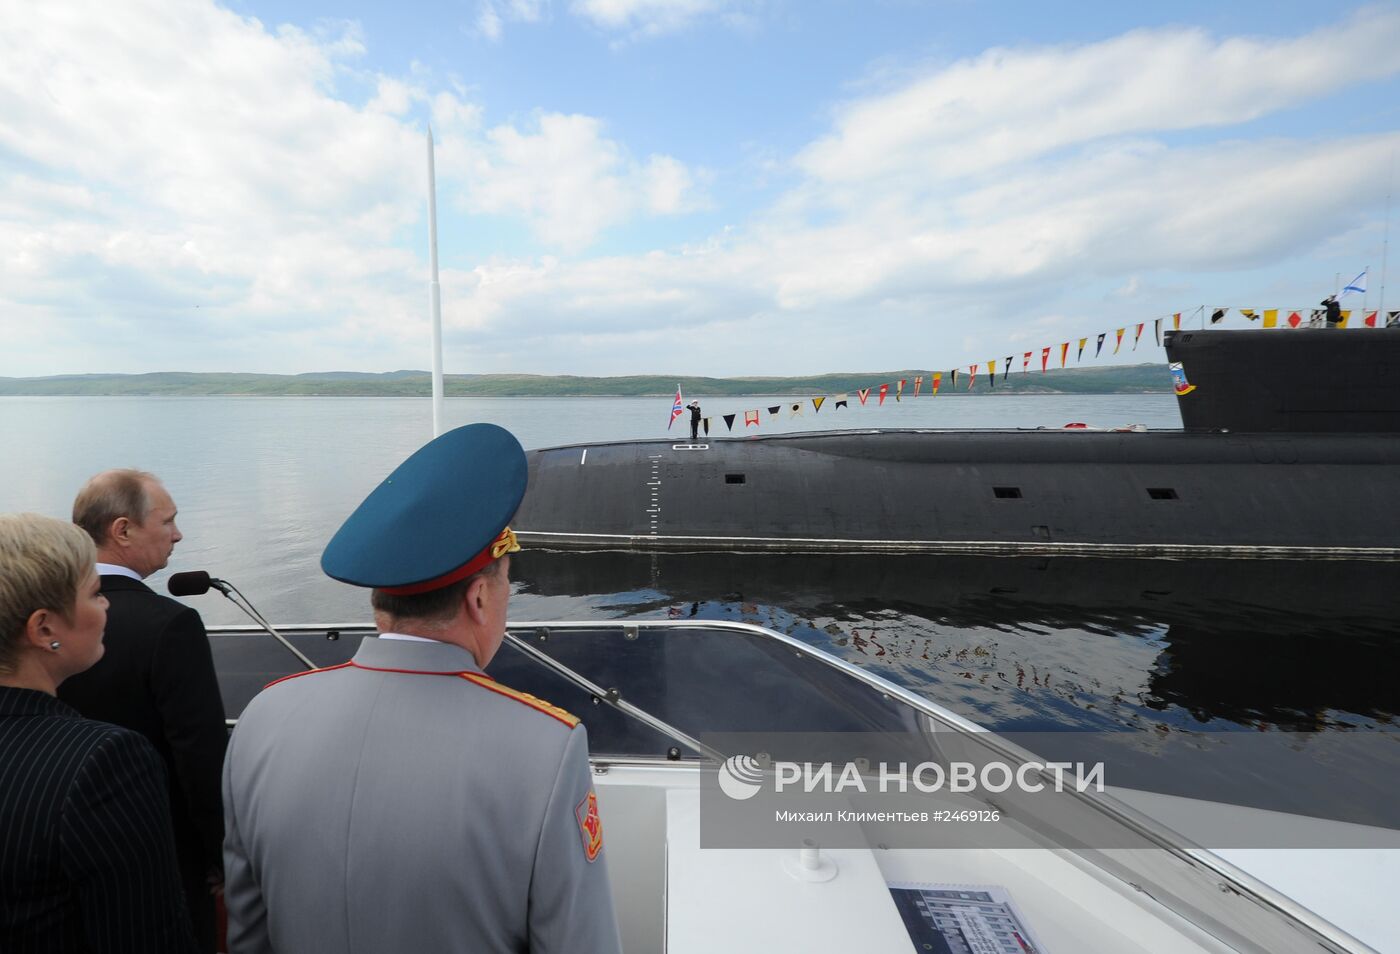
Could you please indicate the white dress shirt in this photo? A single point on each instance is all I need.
(114, 569)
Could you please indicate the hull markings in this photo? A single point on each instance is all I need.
(654, 483)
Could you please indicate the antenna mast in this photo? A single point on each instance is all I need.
(434, 290)
(1385, 250)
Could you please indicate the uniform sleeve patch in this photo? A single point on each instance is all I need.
(590, 826)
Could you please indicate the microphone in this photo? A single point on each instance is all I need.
(195, 583)
(199, 582)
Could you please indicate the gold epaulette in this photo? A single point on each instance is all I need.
(486, 682)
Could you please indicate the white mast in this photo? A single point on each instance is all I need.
(1385, 252)
(434, 291)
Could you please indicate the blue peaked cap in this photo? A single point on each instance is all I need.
(438, 511)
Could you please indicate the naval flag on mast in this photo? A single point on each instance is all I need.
(1356, 285)
(677, 408)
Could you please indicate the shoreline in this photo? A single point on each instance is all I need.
(1121, 379)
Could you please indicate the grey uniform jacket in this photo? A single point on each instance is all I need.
(404, 802)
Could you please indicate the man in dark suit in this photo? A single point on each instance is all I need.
(157, 676)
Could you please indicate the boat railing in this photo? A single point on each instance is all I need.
(1154, 860)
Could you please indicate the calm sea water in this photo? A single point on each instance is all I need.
(1153, 646)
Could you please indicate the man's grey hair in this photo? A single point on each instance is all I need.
(434, 608)
(112, 494)
(43, 561)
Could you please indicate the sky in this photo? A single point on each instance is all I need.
(698, 187)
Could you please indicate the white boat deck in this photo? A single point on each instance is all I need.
(1351, 887)
(673, 895)
(1156, 896)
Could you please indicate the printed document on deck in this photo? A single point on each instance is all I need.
(962, 918)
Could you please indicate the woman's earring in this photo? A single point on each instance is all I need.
(54, 645)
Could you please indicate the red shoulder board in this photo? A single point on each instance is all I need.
(307, 672)
(486, 682)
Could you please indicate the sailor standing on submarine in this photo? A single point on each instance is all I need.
(404, 800)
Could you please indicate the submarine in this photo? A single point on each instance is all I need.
(1287, 449)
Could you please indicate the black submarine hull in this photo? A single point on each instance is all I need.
(1268, 491)
(1306, 381)
(1153, 494)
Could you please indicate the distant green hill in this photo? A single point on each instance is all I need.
(1130, 379)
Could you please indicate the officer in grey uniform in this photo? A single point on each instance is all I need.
(405, 801)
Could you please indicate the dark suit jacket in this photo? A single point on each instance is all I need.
(86, 858)
(157, 677)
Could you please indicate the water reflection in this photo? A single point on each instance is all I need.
(1252, 683)
(1036, 644)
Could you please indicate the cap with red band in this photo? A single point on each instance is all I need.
(438, 518)
(505, 543)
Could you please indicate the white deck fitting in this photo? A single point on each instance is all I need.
(741, 900)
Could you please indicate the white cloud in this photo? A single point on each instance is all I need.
(193, 173)
(649, 18)
(564, 178)
(670, 187)
(186, 188)
(492, 15)
(393, 97)
(212, 168)
(1035, 165)
(1010, 107)
(527, 11)
(1235, 205)
(900, 242)
(488, 22)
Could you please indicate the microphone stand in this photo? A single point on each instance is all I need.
(235, 597)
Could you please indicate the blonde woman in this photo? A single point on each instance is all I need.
(87, 862)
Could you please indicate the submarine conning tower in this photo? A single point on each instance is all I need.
(1304, 380)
